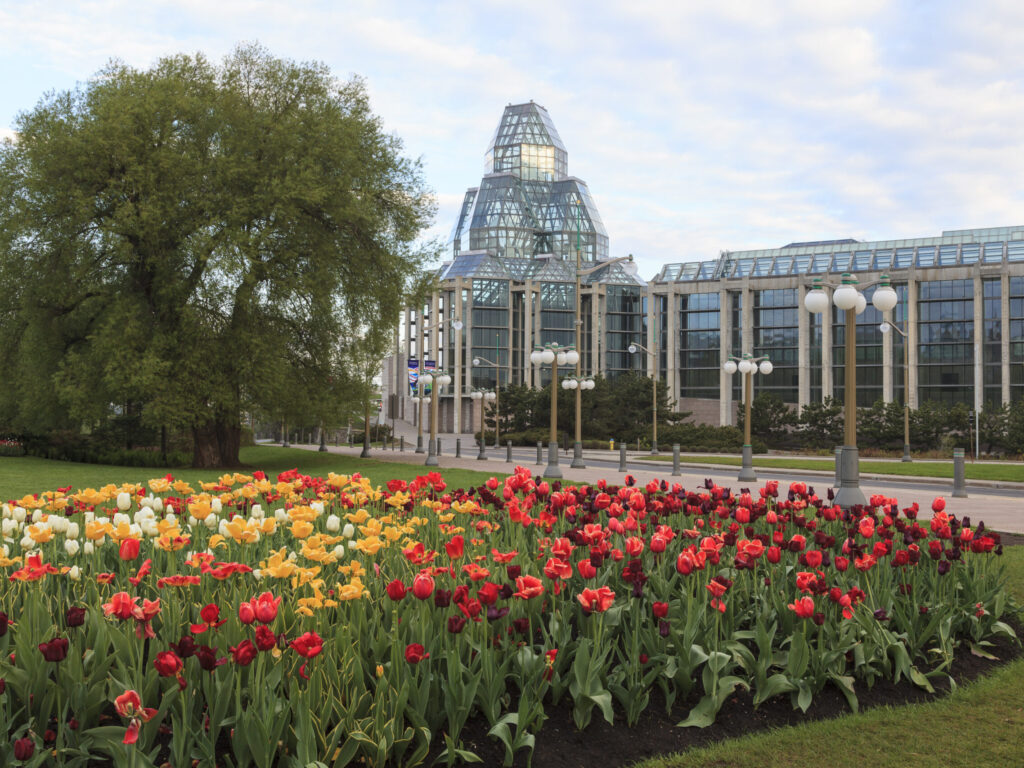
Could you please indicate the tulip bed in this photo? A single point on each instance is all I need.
(297, 621)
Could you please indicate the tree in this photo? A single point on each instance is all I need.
(881, 425)
(195, 242)
(770, 418)
(821, 424)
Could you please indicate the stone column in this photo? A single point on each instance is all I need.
(651, 339)
(724, 350)
(803, 333)
(1004, 337)
(457, 363)
(912, 342)
(888, 341)
(528, 340)
(979, 343)
(600, 348)
(672, 339)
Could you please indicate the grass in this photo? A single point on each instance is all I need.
(941, 469)
(24, 474)
(980, 724)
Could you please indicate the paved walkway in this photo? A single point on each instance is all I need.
(1001, 508)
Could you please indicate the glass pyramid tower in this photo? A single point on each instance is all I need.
(527, 204)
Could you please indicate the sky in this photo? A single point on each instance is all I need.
(698, 126)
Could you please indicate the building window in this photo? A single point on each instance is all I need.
(868, 353)
(699, 345)
(776, 335)
(945, 360)
(625, 322)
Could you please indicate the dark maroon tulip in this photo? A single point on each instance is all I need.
(24, 748)
(55, 650)
(3, 623)
(185, 648)
(75, 617)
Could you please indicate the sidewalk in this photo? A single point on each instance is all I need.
(1000, 509)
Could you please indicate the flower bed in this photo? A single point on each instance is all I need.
(301, 619)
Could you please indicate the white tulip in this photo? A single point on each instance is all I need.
(339, 551)
(59, 523)
(318, 507)
(280, 515)
(118, 518)
(222, 528)
(292, 556)
(136, 531)
(212, 522)
(333, 523)
(5, 511)
(215, 505)
(72, 531)
(88, 548)
(124, 501)
(89, 517)
(37, 515)
(19, 514)
(348, 531)
(158, 504)
(256, 513)
(257, 574)
(146, 503)
(71, 546)
(9, 526)
(352, 544)
(27, 543)
(75, 573)
(192, 522)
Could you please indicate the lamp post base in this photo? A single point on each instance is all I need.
(906, 452)
(552, 470)
(747, 474)
(323, 442)
(654, 448)
(431, 456)
(849, 493)
(577, 456)
(482, 456)
(365, 453)
(419, 443)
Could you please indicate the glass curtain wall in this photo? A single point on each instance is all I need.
(992, 334)
(699, 345)
(625, 322)
(776, 335)
(868, 349)
(1016, 338)
(490, 337)
(557, 315)
(946, 341)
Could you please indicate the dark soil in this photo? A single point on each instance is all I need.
(560, 745)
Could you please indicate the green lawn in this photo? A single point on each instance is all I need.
(22, 475)
(981, 724)
(975, 471)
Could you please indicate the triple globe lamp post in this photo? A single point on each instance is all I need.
(555, 355)
(849, 299)
(484, 396)
(747, 365)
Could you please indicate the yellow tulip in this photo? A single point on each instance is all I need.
(159, 485)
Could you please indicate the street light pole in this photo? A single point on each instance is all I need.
(554, 355)
(477, 361)
(747, 365)
(632, 348)
(435, 381)
(846, 297)
(456, 325)
(885, 327)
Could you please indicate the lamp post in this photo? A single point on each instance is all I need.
(578, 383)
(554, 355)
(477, 362)
(483, 396)
(438, 380)
(885, 327)
(747, 365)
(420, 382)
(632, 349)
(847, 298)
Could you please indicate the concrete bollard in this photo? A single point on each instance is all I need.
(540, 453)
(959, 491)
(439, 446)
(839, 467)
(622, 457)
(508, 451)
(401, 444)
(458, 447)
(675, 461)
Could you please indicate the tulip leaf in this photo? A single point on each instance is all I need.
(604, 703)
(799, 655)
(920, 680)
(845, 684)
(803, 699)
(702, 715)
(775, 685)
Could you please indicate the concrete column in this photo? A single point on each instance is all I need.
(672, 331)
(528, 340)
(406, 389)
(600, 348)
(650, 360)
(825, 318)
(747, 332)
(1004, 337)
(467, 339)
(724, 350)
(912, 342)
(803, 332)
(979, 343)
(457, 363)
(435, 351)
(888, 339)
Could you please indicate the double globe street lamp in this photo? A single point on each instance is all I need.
(747, 365)
(420, 399)
(578, 383)
(483, 396)
(848, 298)
(478, 360)
(435, 381)
(554, 355)
(633, 349)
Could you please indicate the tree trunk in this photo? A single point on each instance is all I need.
(216, 444)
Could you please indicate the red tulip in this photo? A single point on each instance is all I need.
(56, 650)
(244, 653)
(455, 548)
(660, 610)
(396, 590)
(804, 607)
(938, 505)
(423, 586)
(414, 653)
(528, 586)
(307, 645)
(599, 600)
(265, 607)
(247, 613)
(24, 748)
(129, 549)
(168, 663)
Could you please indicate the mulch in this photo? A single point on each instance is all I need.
(560, 745)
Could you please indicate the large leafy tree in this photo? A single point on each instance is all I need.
(197, 242)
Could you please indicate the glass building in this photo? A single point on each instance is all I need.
(529, 230)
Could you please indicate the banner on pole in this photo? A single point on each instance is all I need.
(414, 374)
